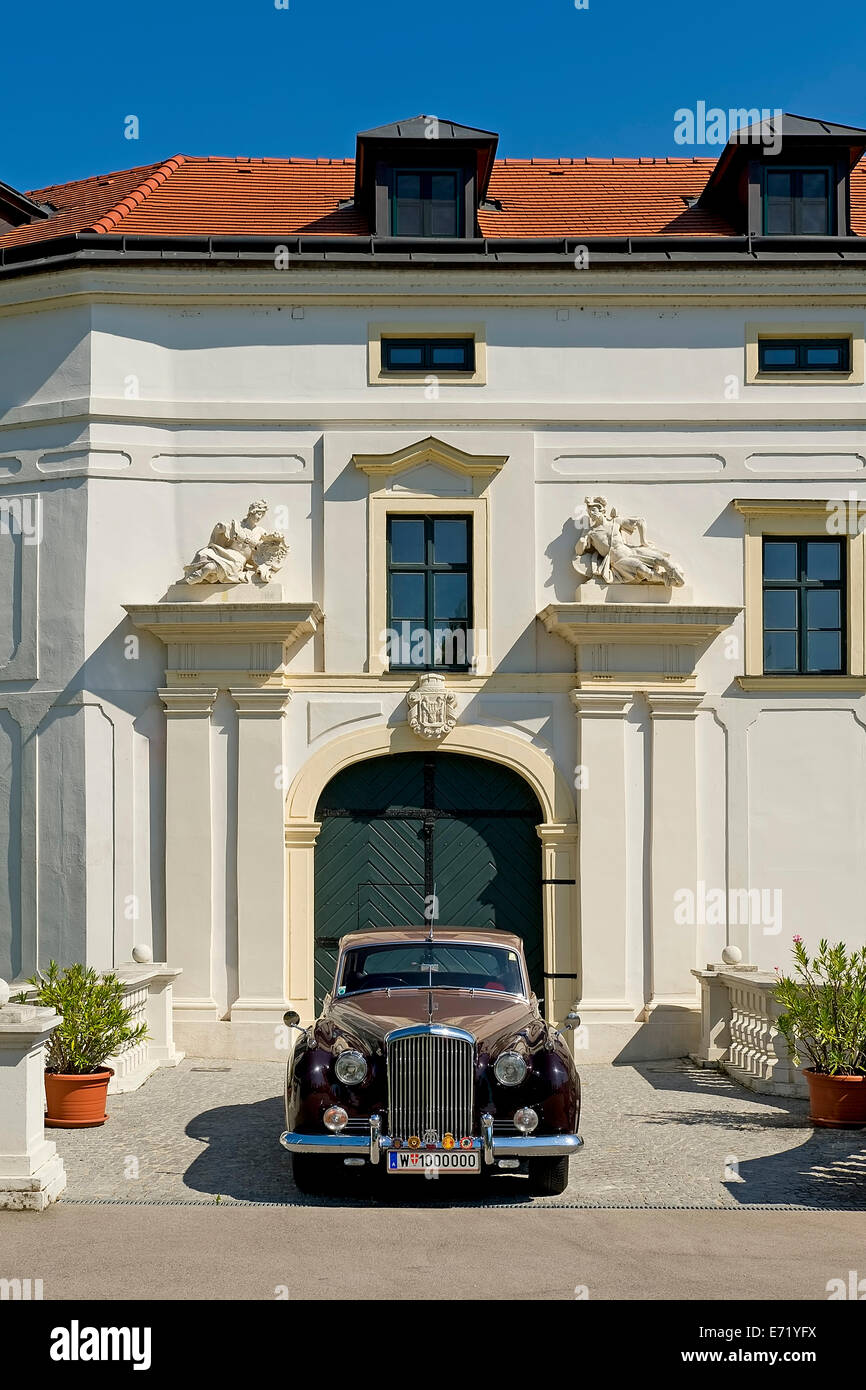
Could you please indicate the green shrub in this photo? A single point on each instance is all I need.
(825, 1009)
(96, 1022)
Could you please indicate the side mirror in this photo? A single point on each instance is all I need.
(291, 1019)
(572, 1021)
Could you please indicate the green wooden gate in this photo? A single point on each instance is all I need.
(400, 829)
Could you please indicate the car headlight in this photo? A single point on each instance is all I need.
(509, 1069)
(351, 1068)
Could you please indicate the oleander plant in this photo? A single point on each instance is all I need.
(824, 1002)
(96, 1025)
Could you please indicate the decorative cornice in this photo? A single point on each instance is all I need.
(602, 704)
(581, 623)
(227, 623)
(430, 450)
(260, 703)
(674, 704)
(780, 506)
(191, 702)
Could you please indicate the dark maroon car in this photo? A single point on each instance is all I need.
(431, 1057)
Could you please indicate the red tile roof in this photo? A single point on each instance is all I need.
(192, 196)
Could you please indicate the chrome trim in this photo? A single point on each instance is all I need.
(439, 1030)
(375, 1130)
(431, 1081)
(536, 1145)
(326, 1143)
(487, 1137)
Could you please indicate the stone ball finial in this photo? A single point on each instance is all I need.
(732, 955)
(4, 993)
(142, 955)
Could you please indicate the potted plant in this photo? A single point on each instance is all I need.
(96, 1025)
(825, 1018)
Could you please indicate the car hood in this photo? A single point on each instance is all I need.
(369, 1017)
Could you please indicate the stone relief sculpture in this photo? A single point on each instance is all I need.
(432, 708)
(612, 556)
(239, 552)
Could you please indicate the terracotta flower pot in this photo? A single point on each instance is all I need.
(836, 1102)
(76, 1102)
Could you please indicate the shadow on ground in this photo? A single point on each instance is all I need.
(244, 1160)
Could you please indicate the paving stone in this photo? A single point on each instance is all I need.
(657, 1134)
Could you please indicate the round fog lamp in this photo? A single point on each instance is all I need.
(351, 1068)
(509, 1069)
(526, 1120)
(335, 1118)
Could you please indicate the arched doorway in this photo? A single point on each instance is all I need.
(399, 829)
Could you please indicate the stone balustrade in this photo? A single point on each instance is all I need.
(147, 992)
(739, 1030)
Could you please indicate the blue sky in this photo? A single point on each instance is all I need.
(216, 77)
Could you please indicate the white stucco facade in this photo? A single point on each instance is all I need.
(161, 757)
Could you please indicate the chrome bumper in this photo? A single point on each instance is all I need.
(494, 1147)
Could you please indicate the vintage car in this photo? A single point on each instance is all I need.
(431, 1057)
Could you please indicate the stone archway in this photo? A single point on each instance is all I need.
(557, 831)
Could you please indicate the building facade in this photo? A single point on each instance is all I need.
(569, 635)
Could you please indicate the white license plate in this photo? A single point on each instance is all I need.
(449, 1161)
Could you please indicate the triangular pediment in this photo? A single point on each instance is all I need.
(445, 458)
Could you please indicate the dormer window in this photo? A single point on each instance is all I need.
(798, 202)
(427, 202)
(423, 178)
(787, 176)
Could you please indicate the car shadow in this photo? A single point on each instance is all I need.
(244, 1161)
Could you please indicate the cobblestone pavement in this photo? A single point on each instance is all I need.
(659, 1134)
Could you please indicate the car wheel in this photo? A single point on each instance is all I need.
(313, 1175)
(548, 1177)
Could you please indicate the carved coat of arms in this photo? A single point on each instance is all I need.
(432, 708)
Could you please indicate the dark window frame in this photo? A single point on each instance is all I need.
(802, 587)
(802, 347)
(428, 346)
(796, 199)
(427, 173)
(429, 568)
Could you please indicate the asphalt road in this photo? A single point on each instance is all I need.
(163, 1252)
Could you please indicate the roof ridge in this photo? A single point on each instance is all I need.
(110, 219)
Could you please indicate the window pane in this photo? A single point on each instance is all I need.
(450, 596)
(779, 202)
(776, 356)
(408, 205)
(450, 542)
(443, 205)
(407, 542)
(823, 560)
(404, 355)
(449, 354)
(824, 651)
(814, 205)
(829, 356)
(780, 560)
(823, 608)
(407, 596)
(450, 646)
(408, 185)
(780, 608)
(780, 651)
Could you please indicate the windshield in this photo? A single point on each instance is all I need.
(425, 964)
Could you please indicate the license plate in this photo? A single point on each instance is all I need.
(449, 1161)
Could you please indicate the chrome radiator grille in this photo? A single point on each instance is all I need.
(430, 1085)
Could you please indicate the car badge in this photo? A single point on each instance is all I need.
(448, 1141)
(414, 1142)
(431, 1139)
(396, 1143)
(466, 1142)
